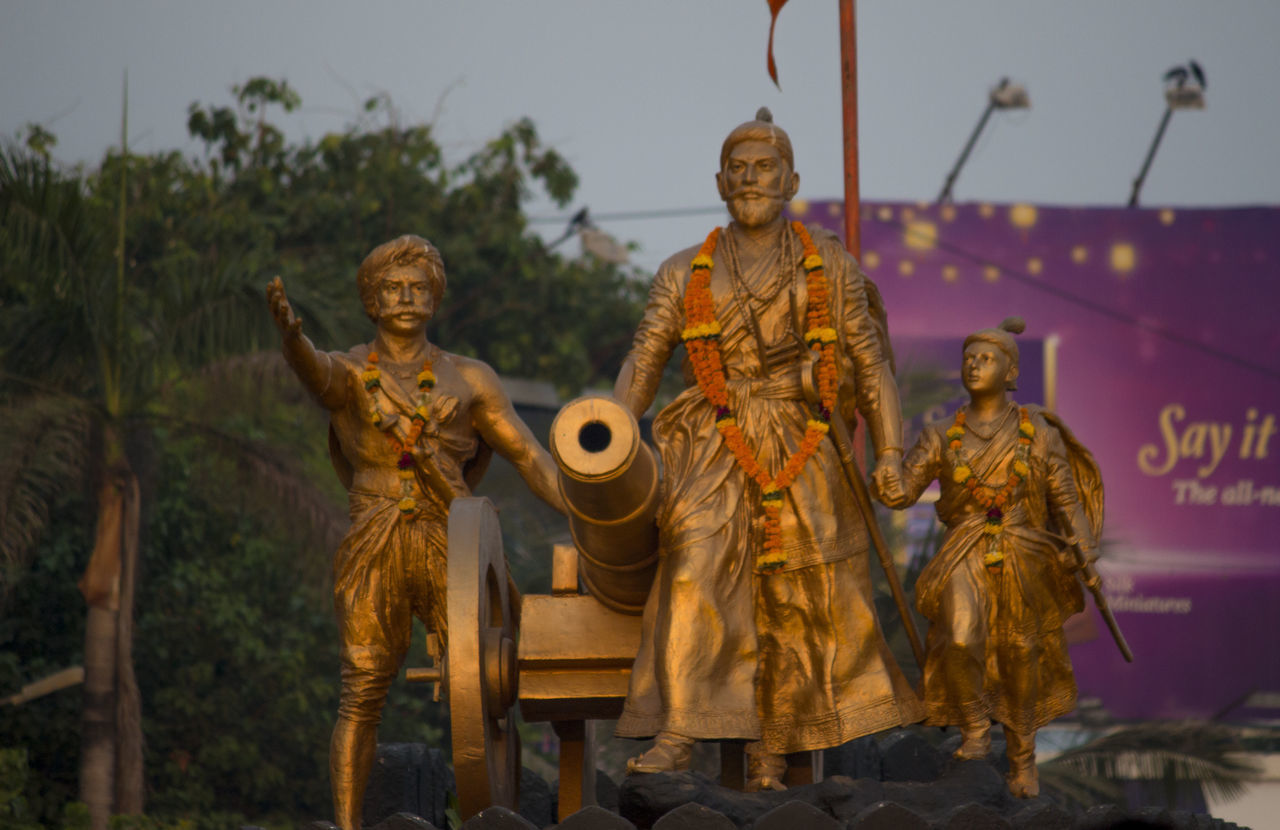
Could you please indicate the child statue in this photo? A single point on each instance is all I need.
(1022, 502)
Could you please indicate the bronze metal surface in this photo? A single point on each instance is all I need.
(609, 480)
(575, 658)
(406, 450)
(1022, 500)
(482, 677)
(761, 625)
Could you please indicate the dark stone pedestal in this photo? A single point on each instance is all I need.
(902, 783)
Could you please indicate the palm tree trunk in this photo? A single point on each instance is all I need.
(129, 778)
(111, 743)
(98, 736)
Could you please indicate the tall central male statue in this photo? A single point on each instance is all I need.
(760, 624)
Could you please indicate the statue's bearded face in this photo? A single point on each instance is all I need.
(755, 183)
(405, 300)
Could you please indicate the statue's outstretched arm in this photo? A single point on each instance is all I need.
(314, 368)
(877, 394)
(497, 422)
(921, 466)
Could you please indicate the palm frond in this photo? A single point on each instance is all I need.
(218, 310)
(1174, 752)
(43, 446)
(1079, 787)
(262, 370)
(271, 478)
(45, 226)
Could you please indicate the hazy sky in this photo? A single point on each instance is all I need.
(638, 95)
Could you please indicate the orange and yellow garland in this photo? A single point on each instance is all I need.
(702, 340)
(372, 379)
(987, 497)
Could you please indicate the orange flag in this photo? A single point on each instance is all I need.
(775, 6)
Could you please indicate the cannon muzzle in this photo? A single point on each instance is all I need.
(609, 479)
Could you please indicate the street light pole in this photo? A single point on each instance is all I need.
(1151, 154)
(945, 195)
(1184, 90)
(1004, 96)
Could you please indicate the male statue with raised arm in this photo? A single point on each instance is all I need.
(411, 426)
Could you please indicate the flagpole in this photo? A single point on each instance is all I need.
(852, 202)
(849, 95)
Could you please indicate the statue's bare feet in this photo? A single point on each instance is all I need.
(670, 753)
(1024, 781)
(977, 743)
(765, 771)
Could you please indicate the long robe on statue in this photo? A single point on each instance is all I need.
(995, 647)
(794, 657)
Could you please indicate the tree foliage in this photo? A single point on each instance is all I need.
(170, 364)
(311, 211)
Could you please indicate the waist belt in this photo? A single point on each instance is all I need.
(783, 385)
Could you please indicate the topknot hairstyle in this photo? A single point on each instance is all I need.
(761, 129)
(1002, 337)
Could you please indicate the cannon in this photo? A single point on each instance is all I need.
(563, 657)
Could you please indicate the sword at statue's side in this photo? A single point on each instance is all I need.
(1093, 581)
(844, 448)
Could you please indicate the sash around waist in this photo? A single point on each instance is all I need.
(781, 386)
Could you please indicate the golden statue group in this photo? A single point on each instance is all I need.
(760, 624)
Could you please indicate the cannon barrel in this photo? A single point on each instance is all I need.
(609, 479)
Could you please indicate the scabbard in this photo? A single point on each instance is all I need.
(1093, 581)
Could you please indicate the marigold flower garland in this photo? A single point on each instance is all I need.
(702, 340)
(984, 494)
(371, 377)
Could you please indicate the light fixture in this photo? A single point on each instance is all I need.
(1184, 87)
(1004, 96)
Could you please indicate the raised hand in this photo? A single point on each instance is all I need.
(289, 323)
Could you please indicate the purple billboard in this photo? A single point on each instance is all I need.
(1158, 337)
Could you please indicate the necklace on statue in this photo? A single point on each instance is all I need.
(986, 495)
(701, 338)
(769, 290)
(372, 379)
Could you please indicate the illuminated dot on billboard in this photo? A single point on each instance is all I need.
(799, 207)
(884, 214)
(948, 213)
(950, 273)
(871, 259)
(908, 214)
(990, 273)
(1079, 255)
(923, 205)
(1034, 266)
(1166, 217)
(906, 267)
(834, 208)
(920, 235)
(1124, 258)
(1022, 215)
(986, 211)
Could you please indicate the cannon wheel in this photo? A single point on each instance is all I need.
(481, 675)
